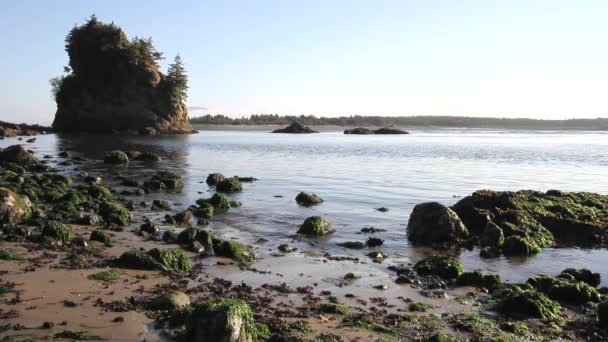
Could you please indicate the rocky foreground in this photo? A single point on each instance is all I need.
(80, 260)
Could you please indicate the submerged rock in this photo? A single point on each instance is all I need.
(307, 199)
(214, 178)
(13, 207)
(235, 251)
(155, 259)
(164, 181)
(315, 226)
(433, 223)
(224, 320)
(147, 157)
(116, 157)
(229, 185)
(442, 266)
(295, 128)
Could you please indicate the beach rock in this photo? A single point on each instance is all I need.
(352, 245)
(442, 266)
(220, 201)
(224, 320)
(13, 208)
(57, 231)
(295, 128)
(17, 154)
(204, 210)
(358, 130)
(374, 242)
(116, 157)
(164, 181)
(315, 226)
(565, 291)
(489, 252)
(307, 199)
(602, 314)
(115, 85)
(214, 178)
(113, 213)
(101, 236)
(235, 251)
(8, 129)
(155, 259)
(183, 219)
(149, 227)
(520, 246)
(158, 205)
(523, 303)
(479, 279)
(190, 235)
(390, 131)
(147, 157)
(492, 236)
(229, 185)
(582, 274)
(433, 223)
(172, 300)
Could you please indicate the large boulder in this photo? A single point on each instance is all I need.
(442, 266)
(295, 128)
(17, 154)
(433, 223)
(224, 320)
(13, 207)
(315, 226)
(114, 85)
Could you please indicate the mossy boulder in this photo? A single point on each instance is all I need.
(57, 231)
(479, 279)
(158, 205)
(315, 226)
(188, 236)
(521, 302)
(18, 155)
(224, 320)
(492, 236)
(235, 251)
(101, 236)
(229, 185)
(183, 219)
(215, 178)
(433, 223)
(308, 199)
(164, 181)
(155, 259)
(334, 308)
(520, 246)
(116, 157)
(14, 208)
(565, 290)
(442, 266)
(218, 201)
(582, 274)
(204, 210)
(149, 227)
(113, 213)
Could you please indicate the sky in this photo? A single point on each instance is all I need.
(510, 58)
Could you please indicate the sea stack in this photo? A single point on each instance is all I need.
(114, 84)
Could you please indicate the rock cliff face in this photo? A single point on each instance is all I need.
(114, 85)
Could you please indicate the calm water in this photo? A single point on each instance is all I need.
(356, 174)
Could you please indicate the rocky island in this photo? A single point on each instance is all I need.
(114, 84)
(364, 131)
(295, 128)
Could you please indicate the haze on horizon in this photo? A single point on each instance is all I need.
(542, 59)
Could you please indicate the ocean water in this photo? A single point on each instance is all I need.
(357, 174)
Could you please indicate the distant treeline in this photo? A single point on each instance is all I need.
(406, 121)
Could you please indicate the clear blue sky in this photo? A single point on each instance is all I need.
(541, 59)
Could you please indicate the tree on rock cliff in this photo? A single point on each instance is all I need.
(114, 84)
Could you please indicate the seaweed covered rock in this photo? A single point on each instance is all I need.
(155, 259)
(101, 236)
(492, 236)
(229, 185)
(524, 302)
(433, 223)
(520, 246)
(57, 231)
(565, 290)
(214, 178)
(235, 251)
(543, 219)
(188, 236)
(315, 226)
(308, 200)
(17, 154)
(164, 181)
(479, 279)
(113, 213)
(442, 266)
(219, 201)
(581, 274)
(224, 320)
(149, 227)
(295, 128)
(114, 84)
(116, 157)
(13, 207)
(181, 219)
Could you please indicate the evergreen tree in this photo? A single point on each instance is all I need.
(177, 80)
